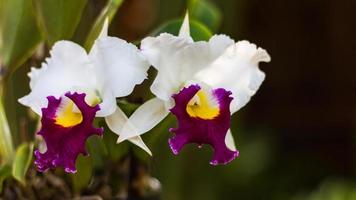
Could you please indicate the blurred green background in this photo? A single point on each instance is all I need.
(296, 136)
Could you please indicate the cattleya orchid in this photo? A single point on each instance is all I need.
(202, 84)
(72, 88)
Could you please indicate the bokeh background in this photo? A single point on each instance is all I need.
(296, 136)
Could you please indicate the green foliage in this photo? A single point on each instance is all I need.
(58, 19)
(19, 34)
(331, 189)
(198, 31)
(6, 144)
(5, 172)
(109, 11)
(127, 107)
(22, 161)
(115, 150)
(83, 176)
(205, 12)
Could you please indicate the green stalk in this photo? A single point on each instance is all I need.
(6, 146)
(108, 11)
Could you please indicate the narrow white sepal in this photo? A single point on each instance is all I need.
(104, 29)
(137, 140)
(229, 141)
(116, 122)
(184, 30)
(147, 116)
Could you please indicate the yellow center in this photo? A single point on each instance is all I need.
(201, 106)
(67, 118)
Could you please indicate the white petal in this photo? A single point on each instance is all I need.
(161, 53)
(120, 65)
(116, 122)
(108, 104)
(184, 30)
(237, 70)
(229, 141)
(147, 116)
(219, 44)
(67, 69)
(140, 143)
(35, 74)
(178, 60)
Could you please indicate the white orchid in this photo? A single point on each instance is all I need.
(202, 83)
(72, 87)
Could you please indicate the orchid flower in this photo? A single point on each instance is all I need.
(202, 84)
(72, 88)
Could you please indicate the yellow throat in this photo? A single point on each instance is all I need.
(201, 106)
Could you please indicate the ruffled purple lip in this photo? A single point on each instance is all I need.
(203, 131)
(65, 143)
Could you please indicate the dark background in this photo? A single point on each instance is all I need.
(296, 136)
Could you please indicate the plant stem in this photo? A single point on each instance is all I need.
(6, 142)
(6, 146)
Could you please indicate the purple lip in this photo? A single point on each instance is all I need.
(203, 131)
(65, 143)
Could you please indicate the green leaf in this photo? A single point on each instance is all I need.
(19, 34)
(5, 172)
(58, 19)
(198, 31)
(116, 151)
(109, 11)
(205, 12)
(6, 145)
(127, 107)
(97, 151)
(83, 176)
(22, 161)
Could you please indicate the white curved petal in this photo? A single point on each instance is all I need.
(35, 74)
(177, 59)
(116, 122)
(108, 104)
(200, 55)
(219, 44)
(229, 141)
(67, 69)
(163, 87)
(137, 140)
(237, 70)
(120, 65)
(147, 116)
(160, 52)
